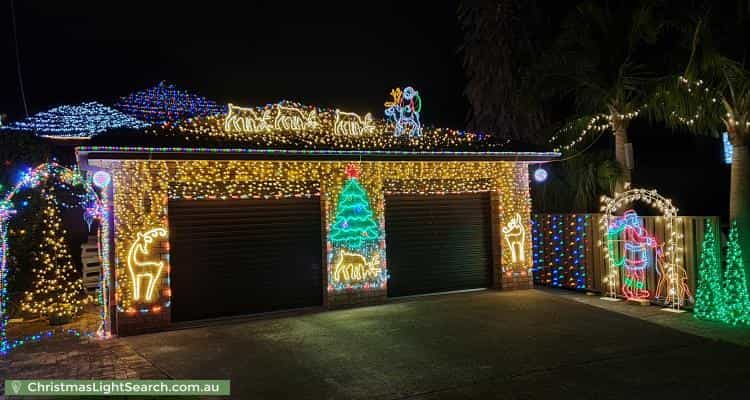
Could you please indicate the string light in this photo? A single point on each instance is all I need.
(559, 250)
(143, 188)
(291, 125)
(76, 121)
(53, 175)
(595, 124)
(166, 103)
(56, 293)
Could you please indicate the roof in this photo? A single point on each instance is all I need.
(198, 153)
(78, 121)
(166, 103)
(165, 121)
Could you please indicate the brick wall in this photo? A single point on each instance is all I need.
(356, 298)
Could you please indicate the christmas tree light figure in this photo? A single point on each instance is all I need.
(356, 259)
(736, 300)
(355, 225)
(709, 296)
(57, 292)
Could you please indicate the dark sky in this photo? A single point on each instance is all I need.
(348, 55)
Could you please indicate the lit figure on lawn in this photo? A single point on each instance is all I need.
(637, 245)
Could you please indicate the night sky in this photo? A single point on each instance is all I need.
(349, 57)
(343, 56)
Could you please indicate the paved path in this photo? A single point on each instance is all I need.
(684, 322)
(516, 345)
(76, 358)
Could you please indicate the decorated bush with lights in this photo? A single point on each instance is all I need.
(57, 290)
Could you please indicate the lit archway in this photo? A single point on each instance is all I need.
(95, 208)
(671, 287)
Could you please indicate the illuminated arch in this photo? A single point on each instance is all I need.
(671, 278)
(95, 208)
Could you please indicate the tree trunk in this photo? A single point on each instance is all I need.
(621, 139)
(739, 200)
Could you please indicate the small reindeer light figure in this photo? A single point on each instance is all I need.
(515, 237)
(144, 268)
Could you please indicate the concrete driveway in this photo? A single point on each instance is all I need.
(523, 344)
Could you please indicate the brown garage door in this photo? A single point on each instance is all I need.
(239, 257)
(438, 243)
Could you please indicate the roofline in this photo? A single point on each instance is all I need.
(202, 153)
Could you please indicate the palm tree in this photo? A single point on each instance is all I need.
(501, 39)
(713, 95)
(599, 64)
(579, 183)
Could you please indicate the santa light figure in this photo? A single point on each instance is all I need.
(638, 245)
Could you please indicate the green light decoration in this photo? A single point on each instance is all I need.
(709, 297)
(736, 308)
(355, 224)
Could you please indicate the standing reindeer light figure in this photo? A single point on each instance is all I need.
(515, 237)
(139, 268)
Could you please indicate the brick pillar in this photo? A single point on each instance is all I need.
(514, 229)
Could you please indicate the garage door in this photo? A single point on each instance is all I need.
(244, 256)
(438, 243)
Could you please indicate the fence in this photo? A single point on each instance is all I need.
(568, 249)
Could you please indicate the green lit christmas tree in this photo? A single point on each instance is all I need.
(355, 225)
(736, 300)
(709, 299)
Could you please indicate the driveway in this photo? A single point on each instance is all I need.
(523, 344)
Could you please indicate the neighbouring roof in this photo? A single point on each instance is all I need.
(76, 121)
(166, 103)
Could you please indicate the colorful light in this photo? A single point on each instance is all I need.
(638, 245)
(155, 182)
(101, 179)
(728, 149)
(560, 245)
(403, 110)
(76, 121)
(166, 103)
(671, 249)
(93, 206)
(540, 175)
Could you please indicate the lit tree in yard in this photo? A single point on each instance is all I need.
(709, 298)
(56, 291)
(736, 299)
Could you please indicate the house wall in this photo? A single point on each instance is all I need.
(142, 188)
